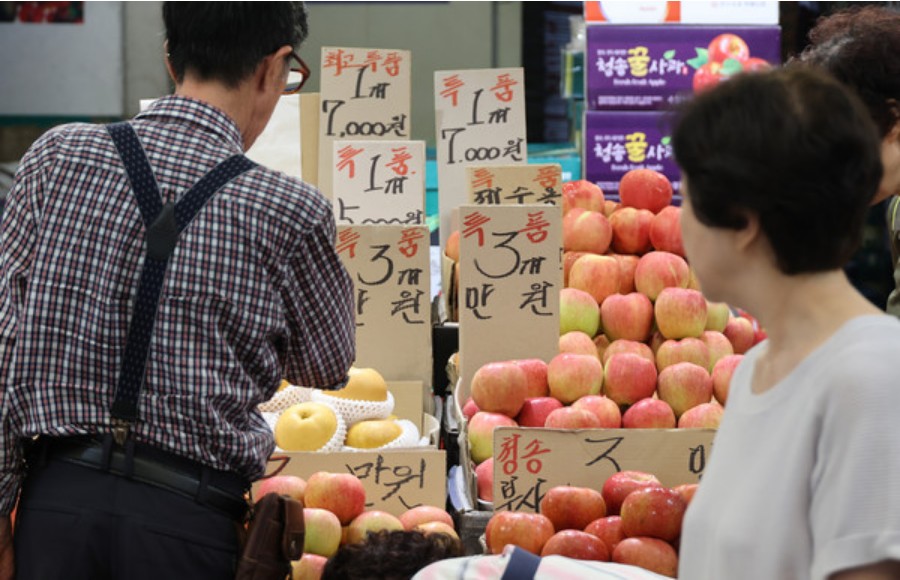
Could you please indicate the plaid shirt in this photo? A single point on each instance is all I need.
(255, 292)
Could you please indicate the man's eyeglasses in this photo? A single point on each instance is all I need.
(297, 76)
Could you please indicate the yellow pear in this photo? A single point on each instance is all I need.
(373, 433)
(305, 427)
(363, 384)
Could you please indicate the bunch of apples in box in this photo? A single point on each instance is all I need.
(335, 514)
(639, 346)
(633, 519)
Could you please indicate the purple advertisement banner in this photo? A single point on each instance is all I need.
(653, 67)
(615, 142)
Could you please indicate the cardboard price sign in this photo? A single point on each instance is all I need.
(364, 96)
(479, 120)
(390, 266)
(510, 278)
(379, 182)
(515, 184)
(395, 480)
(530, 461)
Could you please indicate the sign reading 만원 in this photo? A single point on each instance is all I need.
(390, 266)
(379, 182)
(530, 461)
(479, 120)
(515, 184)
(364, 96)
(510, 278)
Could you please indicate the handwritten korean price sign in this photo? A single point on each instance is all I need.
(390, 266)
(365, 96)
(510, 278)
(529, 461)
(379, 182)
(479, 120)
(515, 184)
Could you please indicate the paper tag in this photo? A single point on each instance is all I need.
(515, 184)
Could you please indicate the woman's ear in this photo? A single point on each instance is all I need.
(750, 233)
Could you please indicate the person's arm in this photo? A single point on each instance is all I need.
(319, 306)
(882, 571)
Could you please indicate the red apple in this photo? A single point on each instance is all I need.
(623, 346)
(601, 342)
(572, 376)
(569, 258)
(525, 530)
(586, 231)
(609, 207)
(424, 513)
(469, 408)
(684, 386)
(371, 521)
(726, 46)
(577, 545)
(578, 310)
(648, 553)
(671, 352)
(451, 247)
(608, 529)
(308, 567)
(572, 418)
(649, 413)
(484, 480)
(629, 378)
(428, 528)
(718, 346)
(480, 433)
(342, 494)
(721, 376)
(755, 63)
(717, 315)
(707, 76)
(620, 484)
(680, 313)
(657, 270)
(535, 411)
(535, 375)
(665, 231)
(577, 342)
(705, 416)
(687, 491)
(645, 189)
(500, 387)
(740, 332)
(323, 532)
(582, 194)
(631, 230)
(572, 508)
(289, 485)
(628, 316)
(655, 512)
(627, 265)
(604, 408)
(596, 275)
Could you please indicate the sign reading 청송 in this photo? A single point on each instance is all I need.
(364, 96)
(515, 184)
(391, 270)
(379, 182)
(510, 278)
(479, 120)
(530, 461)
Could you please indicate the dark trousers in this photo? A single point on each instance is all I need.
(78, 523)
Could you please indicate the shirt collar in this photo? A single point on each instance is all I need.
(198, 112)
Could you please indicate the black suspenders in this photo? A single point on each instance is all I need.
(164, 224)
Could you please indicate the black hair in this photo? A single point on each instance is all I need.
(792, 146)
(390, 555)
(860, 46)
(226, 41)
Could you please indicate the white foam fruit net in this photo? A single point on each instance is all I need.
(409, 437)
(354, 410)
(290, 395)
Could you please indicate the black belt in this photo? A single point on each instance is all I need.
(220, 490)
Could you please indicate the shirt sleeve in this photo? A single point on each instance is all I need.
(320, 311)
(855, 506)
(18, 238)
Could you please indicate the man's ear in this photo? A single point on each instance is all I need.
(169, 68)
(271, 71)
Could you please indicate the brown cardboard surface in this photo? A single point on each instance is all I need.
(479, 120)
(365, 95)
(309, 137)
(536, 183)
(510, 278)
(529, 461)
(390, 266)
(395, 480)
(379, 182)
(409, 401)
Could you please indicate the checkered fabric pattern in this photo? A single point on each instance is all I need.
(254, 293)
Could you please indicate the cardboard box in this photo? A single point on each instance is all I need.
(693, 12)
(643, 68)
(615, 142)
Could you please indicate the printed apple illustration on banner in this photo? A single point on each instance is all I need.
(726, 55)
